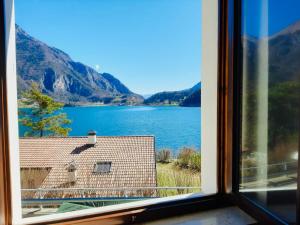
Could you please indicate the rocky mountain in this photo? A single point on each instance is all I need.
(63, 79)
(283, 55)
(187, 97)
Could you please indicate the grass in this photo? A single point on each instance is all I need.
(170, 175)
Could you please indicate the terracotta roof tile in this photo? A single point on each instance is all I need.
(132, 161)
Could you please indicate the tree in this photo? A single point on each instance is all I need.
(284, 111)
(41, 114)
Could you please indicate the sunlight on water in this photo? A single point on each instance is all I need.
(135, 108)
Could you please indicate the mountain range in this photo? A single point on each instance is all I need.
(74, 83)
(63, 79)
(187, 97)
(283, 56)
(271, 66)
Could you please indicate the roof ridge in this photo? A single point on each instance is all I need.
(59, 137)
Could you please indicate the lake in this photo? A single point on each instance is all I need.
(173, 127)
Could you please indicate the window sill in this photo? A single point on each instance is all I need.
(130, 208)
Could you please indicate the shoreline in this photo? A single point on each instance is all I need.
(92, 105)
(105, 105)
(100, 106)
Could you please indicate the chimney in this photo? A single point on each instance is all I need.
(92, 138)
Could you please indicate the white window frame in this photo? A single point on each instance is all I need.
(209, 96)
(208, 120)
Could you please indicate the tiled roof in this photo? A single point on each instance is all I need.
(132, 161)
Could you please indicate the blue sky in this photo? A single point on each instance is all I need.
(150, 45)
(281, 13)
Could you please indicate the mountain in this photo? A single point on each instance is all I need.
(193, 100)
(147, 96)
(63, 79)
(276, 58)
(176, 97)
(283, 55)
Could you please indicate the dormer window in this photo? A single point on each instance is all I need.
(71, 168)
(102, 167)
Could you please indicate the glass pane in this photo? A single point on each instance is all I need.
(270, 104)
(109, 101)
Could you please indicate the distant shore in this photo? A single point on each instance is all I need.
(107, 105)
(20, 105)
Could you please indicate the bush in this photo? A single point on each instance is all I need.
(195, 161)
(163, 156)
(184, 156)
(189, 158)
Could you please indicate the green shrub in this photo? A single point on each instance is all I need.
(184, 156)
(189, 158)
(195, 161)
(163, 156)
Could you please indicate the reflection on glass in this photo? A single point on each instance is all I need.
(270, 105)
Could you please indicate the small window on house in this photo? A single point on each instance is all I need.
(102, 167)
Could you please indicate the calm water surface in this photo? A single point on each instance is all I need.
(173, 127)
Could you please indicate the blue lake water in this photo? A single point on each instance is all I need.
(173, 127)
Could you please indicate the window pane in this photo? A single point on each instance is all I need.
(109, 101)
(270, 104)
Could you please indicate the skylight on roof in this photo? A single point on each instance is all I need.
(102, 167)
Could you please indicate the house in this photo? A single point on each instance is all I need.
(91, 166)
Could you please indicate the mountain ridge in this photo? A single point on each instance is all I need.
(176, 97)
(283, 55)
(74, 83)
(67, 81)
